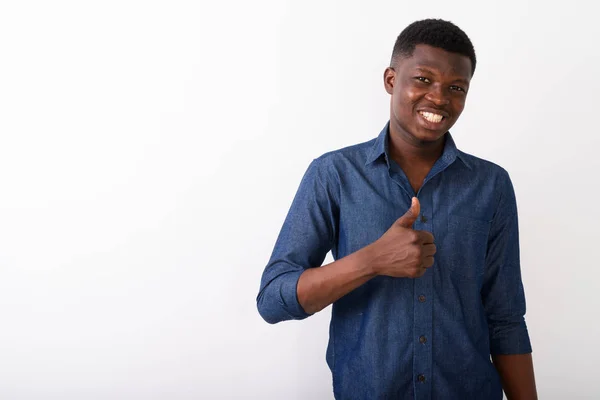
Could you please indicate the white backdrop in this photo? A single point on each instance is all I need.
(150, 150)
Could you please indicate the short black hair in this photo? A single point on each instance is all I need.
(437, 33)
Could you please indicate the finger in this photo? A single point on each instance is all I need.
(429, 250)
(428, 262)
(409, 218)
(418, 272)
(425, 237)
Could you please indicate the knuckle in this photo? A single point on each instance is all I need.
(413, 236)
(400, 222)
(418, 252)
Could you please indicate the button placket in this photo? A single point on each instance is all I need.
(423, 308)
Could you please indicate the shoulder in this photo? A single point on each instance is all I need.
(484, 167)
(493, 177)
(352, 155)
(332, 168)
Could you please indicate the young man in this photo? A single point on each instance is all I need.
(426, 285)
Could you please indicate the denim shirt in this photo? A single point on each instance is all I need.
(401, 338)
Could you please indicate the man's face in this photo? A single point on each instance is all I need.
(428, 91)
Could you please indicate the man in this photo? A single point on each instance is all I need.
(421, 298)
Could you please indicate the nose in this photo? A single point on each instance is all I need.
(437, 96)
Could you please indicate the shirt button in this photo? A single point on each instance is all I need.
(422, 299)
(423, 218)
(423, 340)
(421, 378)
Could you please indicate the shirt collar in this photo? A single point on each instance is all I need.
(380, 148)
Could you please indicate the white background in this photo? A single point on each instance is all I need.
(150, 150)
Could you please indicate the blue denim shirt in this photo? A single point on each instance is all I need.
(401, 338)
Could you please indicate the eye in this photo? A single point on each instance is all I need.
(422, 79)
(457, 88)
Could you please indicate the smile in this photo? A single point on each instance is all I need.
(432, 117)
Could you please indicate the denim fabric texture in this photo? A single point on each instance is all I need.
(401, 338)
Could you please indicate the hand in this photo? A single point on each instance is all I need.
(403, 252)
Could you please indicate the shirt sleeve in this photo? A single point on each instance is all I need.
(502, 292)
(307, 235)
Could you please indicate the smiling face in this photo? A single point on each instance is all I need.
(428, 92)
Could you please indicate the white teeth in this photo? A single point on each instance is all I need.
(431, 117)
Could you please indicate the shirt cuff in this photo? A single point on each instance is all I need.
(510, 340)
(289, 295)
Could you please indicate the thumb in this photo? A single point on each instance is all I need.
(409, 218)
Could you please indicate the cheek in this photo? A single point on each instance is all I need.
(405, 100)
(413, 94)
(458, 106)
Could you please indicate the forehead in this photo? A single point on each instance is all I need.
(438, 60)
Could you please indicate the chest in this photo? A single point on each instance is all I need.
(456, 208)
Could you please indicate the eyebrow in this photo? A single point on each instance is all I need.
(458, 80)
(424, 70)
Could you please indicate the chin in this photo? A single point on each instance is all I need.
(428, 136)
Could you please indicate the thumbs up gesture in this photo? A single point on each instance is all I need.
(403, 252)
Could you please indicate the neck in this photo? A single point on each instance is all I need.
(407, 151)
(415, 158)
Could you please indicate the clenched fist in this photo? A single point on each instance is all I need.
(403, 252)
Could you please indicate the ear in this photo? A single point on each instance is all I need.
(389, 79)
